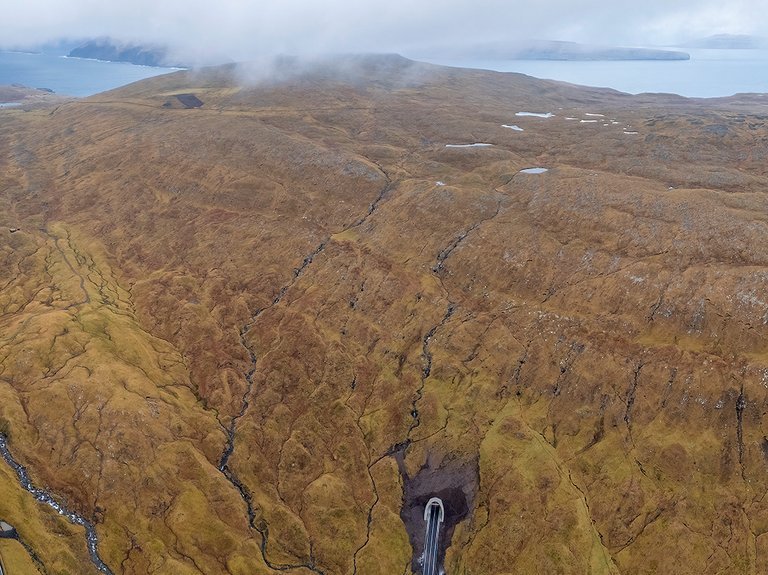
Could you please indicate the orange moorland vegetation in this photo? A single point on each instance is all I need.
(252, 324)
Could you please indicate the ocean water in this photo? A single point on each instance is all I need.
(70, 76)
(708, 74)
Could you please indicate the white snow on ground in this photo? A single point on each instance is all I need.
(571, 118)
(588, 121)
(536, 114)
(534, 170)
(626, 132)
(439, 183)
(476, 145)
(594, 115)
(513, 127)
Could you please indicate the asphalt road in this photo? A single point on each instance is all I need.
(434, 517)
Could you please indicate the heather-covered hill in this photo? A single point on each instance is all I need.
(252, 321)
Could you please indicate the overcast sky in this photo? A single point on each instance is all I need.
(246, 29)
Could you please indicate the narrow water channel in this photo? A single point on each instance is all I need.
(43, 496)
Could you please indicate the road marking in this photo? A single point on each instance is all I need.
(434, 515)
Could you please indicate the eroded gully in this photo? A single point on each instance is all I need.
(45, 497)
(231, 431)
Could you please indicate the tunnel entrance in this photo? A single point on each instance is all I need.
(434, 515)
(451, 481)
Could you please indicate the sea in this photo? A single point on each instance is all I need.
(708, 74)
(70, 76)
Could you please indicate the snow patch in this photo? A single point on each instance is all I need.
(534, 170)
(536, 114)
(513, 127)
(475, 145)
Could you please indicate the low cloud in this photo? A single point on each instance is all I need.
(205, 32)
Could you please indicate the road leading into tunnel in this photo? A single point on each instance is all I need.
(434, 514)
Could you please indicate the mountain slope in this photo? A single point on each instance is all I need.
(257, 335)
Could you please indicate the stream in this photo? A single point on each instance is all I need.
(45, 497)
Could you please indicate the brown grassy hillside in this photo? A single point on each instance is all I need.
(258, 334)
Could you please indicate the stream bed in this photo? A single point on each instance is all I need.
(43, 496)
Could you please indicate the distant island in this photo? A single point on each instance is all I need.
(556, 50)
(728, 42)
(112, 51)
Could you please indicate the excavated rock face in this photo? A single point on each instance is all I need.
(258, 335)
(454, 482)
